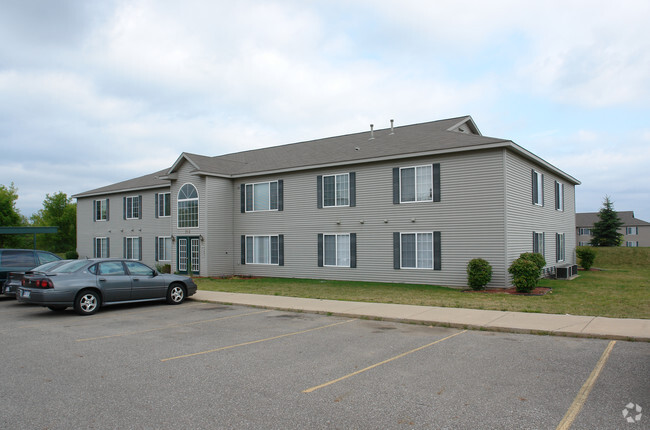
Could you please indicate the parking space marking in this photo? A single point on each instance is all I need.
(223, 348)
(128, 333)
(581, 398)
(404, 354)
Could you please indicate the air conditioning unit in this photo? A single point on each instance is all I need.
(566, 272)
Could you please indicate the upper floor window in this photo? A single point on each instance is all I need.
(163, 205)
(416, 184)
(133, 207)
(559, 196)
(582, 231)
(262, 196)
(538, 188)
(336, 190)
(100, 210)
(188, 207)
(632, 230)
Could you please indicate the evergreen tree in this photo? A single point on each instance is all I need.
(605, 231)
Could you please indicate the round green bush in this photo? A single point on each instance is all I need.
(587, 256)
(479, 273)
(536, 258)
(72, 255)
(525, 274)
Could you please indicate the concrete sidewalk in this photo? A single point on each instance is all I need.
(517, 322)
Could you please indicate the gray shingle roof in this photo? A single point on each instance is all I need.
(588, 219)
(140, 183)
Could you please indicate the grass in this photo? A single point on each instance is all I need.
(620, 291)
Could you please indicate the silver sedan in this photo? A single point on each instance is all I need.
(87, 285)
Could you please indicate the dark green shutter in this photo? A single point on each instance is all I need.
(542, 199)
(437, 258)
(140, 208)
(242, 194)
(353, 250)
(396, 250)
(319, 191)
(353, 189)
(107, 211)
(155, 248)
(281, 250)
(108, 247)
(533, 178)
(280, 195)
(124, 247)
(320, 250)
(436, 182)
(243, 249)
(155, 202)
(140, 248)
(396, 188)
(123, 207)
(94, 210)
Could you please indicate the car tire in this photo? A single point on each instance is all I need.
(57, 308)
(176, 294)
(87, 302)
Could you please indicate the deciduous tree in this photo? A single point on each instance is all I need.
(58, 211)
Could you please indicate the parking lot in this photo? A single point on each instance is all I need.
(203, 365)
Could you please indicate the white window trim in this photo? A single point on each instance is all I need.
(540, 188)
(542, 241)
(631, 231)
(415, 185)
(335, 205)
(102, 240)
(560, 245)
(559, 204)
(632, 244)
(253, 197)
(277, 236)
(336, 249)
(170, 248)
(103, 203)
(161, 197)
(198, 208)
(135, 255)
(135, 203)
(401, 250)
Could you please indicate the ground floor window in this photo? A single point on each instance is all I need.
(632, 244)
(101, 249)
(560, 247)
(539, 245)
(417, 250)
(164, 248)
(132, 248)
(262, 249)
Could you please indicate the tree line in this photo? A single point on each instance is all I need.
(58, 211)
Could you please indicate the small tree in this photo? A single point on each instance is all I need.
(605, 231)
(525, 274)
(479, 273)
(587, 256)
(536, 258)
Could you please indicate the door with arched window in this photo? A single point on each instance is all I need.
(188, 248)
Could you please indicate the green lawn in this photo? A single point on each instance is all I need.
(622, 290)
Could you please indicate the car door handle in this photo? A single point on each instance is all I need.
(102, 279)
(136, 279)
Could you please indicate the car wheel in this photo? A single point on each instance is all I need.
(175, 294)
(57, 308)
(86, 303)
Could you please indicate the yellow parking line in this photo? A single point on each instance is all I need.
(171, 326)
(581, 398)
(312, 389)
(255, 341)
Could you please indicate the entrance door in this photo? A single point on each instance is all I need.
(189, 253)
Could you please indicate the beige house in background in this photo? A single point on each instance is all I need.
(635, 232)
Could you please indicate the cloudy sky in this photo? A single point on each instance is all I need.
(93, 93)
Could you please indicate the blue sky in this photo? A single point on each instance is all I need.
(98, 92)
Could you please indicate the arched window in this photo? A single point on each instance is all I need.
(188, 206)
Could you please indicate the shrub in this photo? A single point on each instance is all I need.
(536, 258)
(164, 268)
(72, 255)
(479, 273)
(587, 256)
(525, 274)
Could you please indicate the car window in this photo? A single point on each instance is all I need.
(70, 267)
(138, 269)
(18, 258)
(46, 257)
(47, 266)
(110, 268)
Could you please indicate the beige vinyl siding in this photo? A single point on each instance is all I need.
(469, 217)
(524, 217)
(117, 228)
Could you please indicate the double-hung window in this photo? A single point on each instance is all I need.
(132, 207)
(582, 231)
(336, 190)
(101, 249)
(132, 248)
(632, 244)
(560, 247)
(416, 184)
(336, 250)
(262, 249)
(417, 250)
(559, 196)
(538, 243)
(100, 210)
(163, 205)
(188, 207)
(262, 196)
(538, 188)
(632, 230)
(164, 248)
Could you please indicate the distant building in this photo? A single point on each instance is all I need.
(635, 232)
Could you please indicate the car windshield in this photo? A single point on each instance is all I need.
(70, 267)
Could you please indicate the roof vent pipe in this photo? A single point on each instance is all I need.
(372, 132)
(392, 130)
